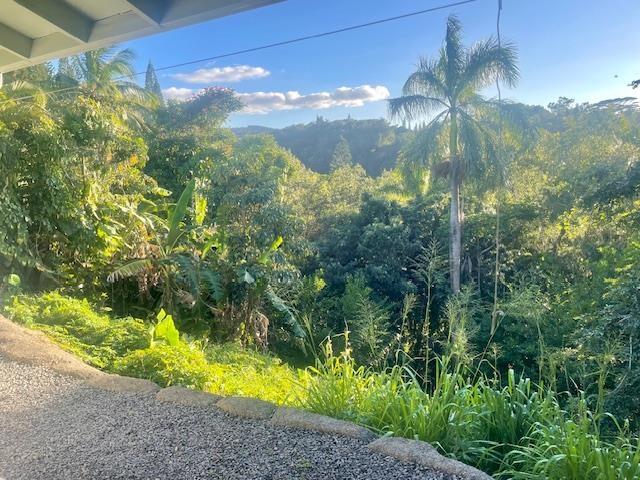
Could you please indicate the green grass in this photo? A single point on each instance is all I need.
(75, 325)
(515, 431)
(124, 346)
(222, 369)
(573, 449)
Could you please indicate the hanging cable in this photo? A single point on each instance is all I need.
(272, 45)
(499, 46)
(320, 35)
(494, 311)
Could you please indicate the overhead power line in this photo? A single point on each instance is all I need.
(317, 35)
(277, 44)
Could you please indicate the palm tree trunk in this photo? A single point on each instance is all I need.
(455, 229)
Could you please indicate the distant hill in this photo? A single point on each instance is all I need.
(374, 144)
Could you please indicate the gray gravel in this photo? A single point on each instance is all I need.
(55, 427)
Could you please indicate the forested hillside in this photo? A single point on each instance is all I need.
(374, 143)
(480, 294)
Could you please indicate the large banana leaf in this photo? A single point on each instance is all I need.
(290, 319)
(177, 215)
(130, 269)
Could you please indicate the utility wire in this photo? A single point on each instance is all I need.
(319, 35)
(276, 44)
(496, 278)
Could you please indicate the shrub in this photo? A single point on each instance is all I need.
(167, 365)
(124, 346)
(223, 369)
(245, 372)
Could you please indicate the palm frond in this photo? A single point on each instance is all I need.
(426, 80)
(485, 62)
(121, 64)
(453, 50)
(130, 269)
(479, 154)
(412, 107)
(426, 143)
(414, 176)
(471, 147)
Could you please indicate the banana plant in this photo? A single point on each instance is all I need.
(176, 264)
(248, 288)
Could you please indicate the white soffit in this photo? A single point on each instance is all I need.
(34, 31)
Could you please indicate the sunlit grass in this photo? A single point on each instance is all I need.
(123, 346)
(518, 430)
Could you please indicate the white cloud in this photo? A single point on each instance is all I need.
(223, 74)
(265, 102)
(176, 93)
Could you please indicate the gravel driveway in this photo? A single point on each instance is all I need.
(57, 427)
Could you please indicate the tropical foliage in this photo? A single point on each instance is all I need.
(150, 240)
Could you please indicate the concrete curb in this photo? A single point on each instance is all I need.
(422, 453)
(187, 396)
(295, 418)
(247, 407)
(118, 383)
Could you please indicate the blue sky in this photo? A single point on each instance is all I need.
(584, 49)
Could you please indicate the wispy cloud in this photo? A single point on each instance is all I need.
(265, 102)
(236, 73)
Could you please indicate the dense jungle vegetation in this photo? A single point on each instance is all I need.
(481, 293)
(374, 143)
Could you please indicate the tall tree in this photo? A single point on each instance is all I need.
(341, 154)
(448, 86)
(151, 83)
(107, 76)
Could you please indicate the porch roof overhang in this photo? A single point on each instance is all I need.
(34, 31)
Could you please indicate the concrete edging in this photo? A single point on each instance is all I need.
(187, 396)
(295, 418)
(422, 453)
(247, 407)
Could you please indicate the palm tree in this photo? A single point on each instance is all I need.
(107, 72)
(448, 86)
